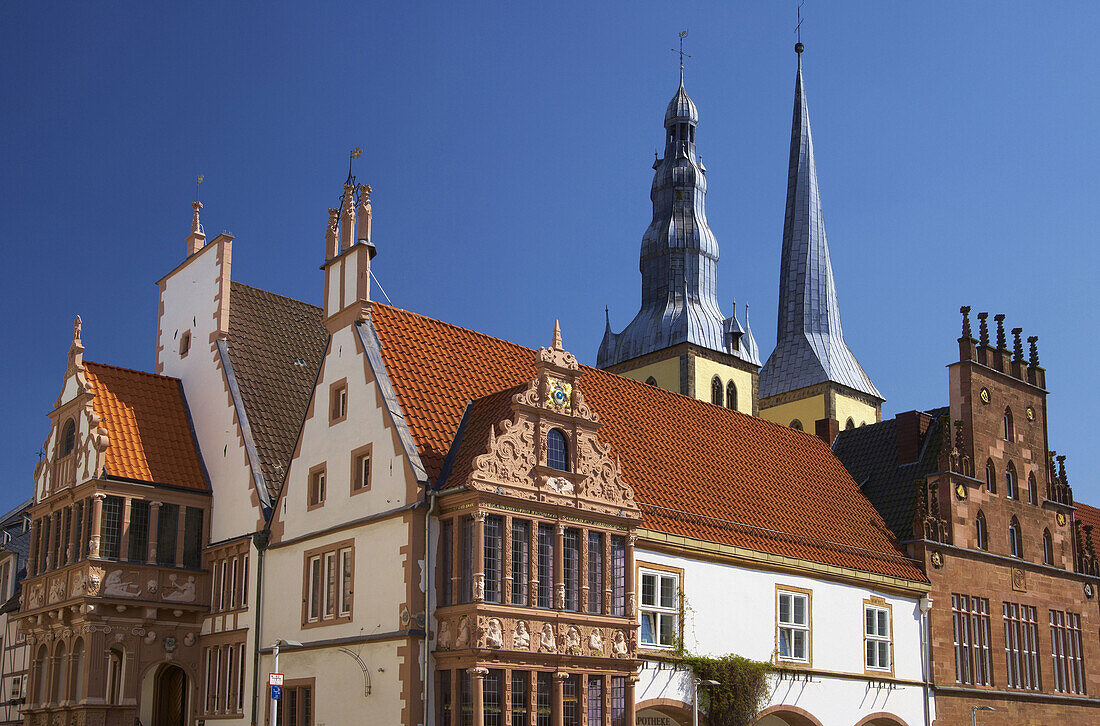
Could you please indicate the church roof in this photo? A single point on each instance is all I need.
(810, 347)
(148, 427)
(275, 346)
(870, 453)
(698, 470)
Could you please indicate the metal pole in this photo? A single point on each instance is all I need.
(274, 703)
(694, 702)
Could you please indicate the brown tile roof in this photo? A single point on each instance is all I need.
(1089, 515)
(147, 426)
(275, 345)
(698, 470)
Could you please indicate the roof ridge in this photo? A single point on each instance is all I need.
(276, 294)
(703, 405)
(158, 376)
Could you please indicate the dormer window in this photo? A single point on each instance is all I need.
(557, 450)
(68, 438)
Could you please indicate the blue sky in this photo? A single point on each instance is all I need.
(509, 147)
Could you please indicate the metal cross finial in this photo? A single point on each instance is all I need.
(683, 34)
(798, 29)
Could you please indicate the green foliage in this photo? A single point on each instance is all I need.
(743, 687)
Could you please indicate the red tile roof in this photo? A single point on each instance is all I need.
(147, 427)
(1089, 515)
(698, 470)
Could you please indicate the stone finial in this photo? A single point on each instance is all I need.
(76, 330)
(965, 310)
(1033, 353)
(331, 249)
(196, 227)
(76, 349)
(365, 212)
(557, 336)
(983, 329)
(1017, 345)
(1002, 344)
(1062, 469)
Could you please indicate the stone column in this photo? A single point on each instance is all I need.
(558, 698)
(154, 529)
(631, 595)
(582, 606)
(74, 544)
(47, 541)
(506, 558)
(559, 566)
(477, 678)
(456, 562)
(479, 559)
(631, 709)
(124, 531)
(32, 556)
(97, 524)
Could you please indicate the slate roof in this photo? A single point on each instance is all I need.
(810, 347)
(698, 470)
(870, 453)
(275, 345)
(148, 427)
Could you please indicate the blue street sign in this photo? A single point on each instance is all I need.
(276, 692)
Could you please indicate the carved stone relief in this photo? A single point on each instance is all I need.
(546, 640)
(595, 642)
(463, 639)
(494, 634)
(116, 586)
(619, 647)
(521, 637)
(176, 591)
(443, 639)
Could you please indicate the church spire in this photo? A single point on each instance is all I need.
(810, 347)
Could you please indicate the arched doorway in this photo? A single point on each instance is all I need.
(170, 701)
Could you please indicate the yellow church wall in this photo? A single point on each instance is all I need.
(665, 372)
(706, 370)
(858, 411)
(807, 410)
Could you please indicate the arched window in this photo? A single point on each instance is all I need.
(557, 450)
(114, 675)
(716, 391)
(1015, 547)
(651, 381)
(990, 477)
(731, 396)
(1011, 490)
(59, 686)
(68, 438)
(76, 678)
(796, 425)
(1048, 548)
(849, 424)
(41, 674)
(1008, 432)
(1032, 489)
(981, 533)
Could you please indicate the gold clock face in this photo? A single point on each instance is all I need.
(1061, 519)
(560, 393)
(1030, 413)
(960, 491)
(984, 395)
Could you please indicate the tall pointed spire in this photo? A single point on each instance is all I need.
(810, 347)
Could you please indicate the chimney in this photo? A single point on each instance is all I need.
(827, 429)
(197, 238)
(911, 427)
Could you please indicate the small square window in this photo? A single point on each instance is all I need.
(316, 488)
(339, 403)
(793, 626)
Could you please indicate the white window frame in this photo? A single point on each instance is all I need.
(877, 638)
(659, 612)
(346, 562)
(362, 471)
(793, 626)
(328, 598)
(313, 594)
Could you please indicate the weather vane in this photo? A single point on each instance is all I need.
(683, 34)
(798, 29)
(197, 182)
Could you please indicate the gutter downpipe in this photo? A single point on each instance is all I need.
(926, 666)
(427, 601)
(260, 540)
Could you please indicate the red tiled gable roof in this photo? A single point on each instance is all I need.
(698, 470)
(1089, 515)
(147, 427)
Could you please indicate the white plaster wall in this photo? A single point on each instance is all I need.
(367, 422)
(338, 695)
(731, 609)
(189, 304)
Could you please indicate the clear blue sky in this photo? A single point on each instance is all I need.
(509, 147)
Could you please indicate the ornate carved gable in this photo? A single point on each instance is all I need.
(74, 448)
(517, 459)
